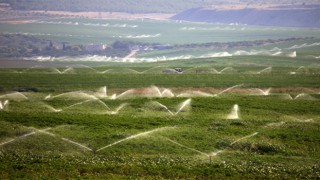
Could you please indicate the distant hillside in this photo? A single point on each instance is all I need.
(129, 6)
(137, 6)
(289, 17)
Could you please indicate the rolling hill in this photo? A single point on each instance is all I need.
(288, 17)
(141, 6)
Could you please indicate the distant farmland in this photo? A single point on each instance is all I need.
(108, 31)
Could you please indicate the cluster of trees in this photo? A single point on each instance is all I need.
(30, 14)
(17, 45)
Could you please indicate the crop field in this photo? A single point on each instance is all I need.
(85, 31)
(239, 112)
(253, 72)
(134, 121)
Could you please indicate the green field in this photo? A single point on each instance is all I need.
(198, 124)
(239, 113)
(273, 138)
(83, 31)
(253, 71)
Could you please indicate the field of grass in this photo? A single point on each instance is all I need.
(68, 82)
(256, 71)
(273, 138)
(83, 31)
(198, 124)
(240, 117)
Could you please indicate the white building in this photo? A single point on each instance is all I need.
(95, 47)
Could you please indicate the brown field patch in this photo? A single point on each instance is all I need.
(109, 15)
(22, 17)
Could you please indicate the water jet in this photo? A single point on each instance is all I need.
(52, 108)
(102, 92)
(78, 144)
(3, 104)
(234, 113)
(266, 70)
(14, 96)
(183, 105)
(195, 94)
(72, 95)
(246, 137)
(162, 106)
(136, 136)
(117, 109)
(228, 89)
(264, 92)
(189, 148)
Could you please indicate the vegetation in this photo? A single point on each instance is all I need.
(234, 117)
(61, 118)
(143, 6)
(66, 82)
(239, 44)
(286, 145)
(186, 38)
(85, 31)
(18, 45)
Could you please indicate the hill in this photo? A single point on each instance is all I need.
(141, 6)
(281, 16)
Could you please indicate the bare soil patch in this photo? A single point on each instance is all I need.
(22, 17)
(110, 15)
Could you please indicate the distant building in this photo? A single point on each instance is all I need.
(95, 47)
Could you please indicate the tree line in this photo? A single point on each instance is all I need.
(18, 45)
